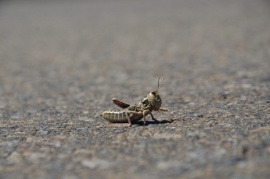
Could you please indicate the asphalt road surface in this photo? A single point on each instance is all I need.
(61, 63)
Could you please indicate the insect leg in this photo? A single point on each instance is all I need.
(134, 115)
(153, 118)
(145, 113)
(166, 110)
(120, 103)
(144, 120)
(163, 109)
(129, 121)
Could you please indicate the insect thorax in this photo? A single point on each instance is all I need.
(144, 104)
(133, 108)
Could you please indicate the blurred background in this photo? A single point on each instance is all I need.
(61, 63)
(79, 47)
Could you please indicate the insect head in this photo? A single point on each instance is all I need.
(155, 99)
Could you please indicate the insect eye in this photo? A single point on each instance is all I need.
(153, 93)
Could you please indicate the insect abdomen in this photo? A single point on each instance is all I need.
(115, 116)
(120, 116)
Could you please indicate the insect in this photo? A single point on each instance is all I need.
(137, 111)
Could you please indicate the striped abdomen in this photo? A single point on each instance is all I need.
(118, 117)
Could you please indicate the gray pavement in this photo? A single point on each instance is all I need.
(61, 63)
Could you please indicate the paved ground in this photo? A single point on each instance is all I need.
(61, 63)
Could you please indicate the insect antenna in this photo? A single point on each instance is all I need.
(160, 82)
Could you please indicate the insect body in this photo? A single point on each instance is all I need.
(136, 112)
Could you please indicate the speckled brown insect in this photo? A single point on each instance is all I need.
(134, 113)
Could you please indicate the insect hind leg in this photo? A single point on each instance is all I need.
(120, 103)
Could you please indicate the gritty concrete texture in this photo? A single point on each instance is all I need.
(61, 63)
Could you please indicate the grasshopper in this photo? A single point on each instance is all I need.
(137, 111)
